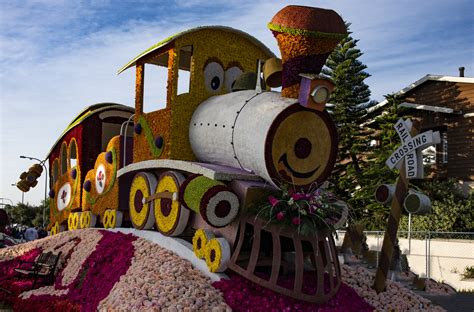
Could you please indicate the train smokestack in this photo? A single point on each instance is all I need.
(461, 71)
(306, 36)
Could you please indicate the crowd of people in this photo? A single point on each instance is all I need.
(24, 233)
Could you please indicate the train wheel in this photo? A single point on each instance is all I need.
(105, 219)
(171, 217)
(115, 218)
(70, 221)
(54, 229)
(200, 239)
(141, 212)
(86, 219)
(73, 220)
(217, 254)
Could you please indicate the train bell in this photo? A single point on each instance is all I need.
(272, 70)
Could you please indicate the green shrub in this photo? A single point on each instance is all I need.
(468, 272)
(451, 210)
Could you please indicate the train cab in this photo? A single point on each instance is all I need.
(200, 63)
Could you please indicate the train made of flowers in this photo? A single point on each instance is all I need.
(202, 167)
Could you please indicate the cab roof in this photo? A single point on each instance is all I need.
(170, 40)
(88, 112)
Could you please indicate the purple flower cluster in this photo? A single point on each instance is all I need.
(243, 295)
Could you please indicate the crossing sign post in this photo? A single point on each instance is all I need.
(408, 159)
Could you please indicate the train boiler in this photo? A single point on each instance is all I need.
(264, 133)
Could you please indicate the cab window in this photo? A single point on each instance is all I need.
(184, 73)
(155, 83)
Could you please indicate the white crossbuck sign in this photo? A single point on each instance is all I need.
(410, 150)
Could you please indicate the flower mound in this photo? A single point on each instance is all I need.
(243, 295)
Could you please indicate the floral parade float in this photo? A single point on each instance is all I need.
(202, 167)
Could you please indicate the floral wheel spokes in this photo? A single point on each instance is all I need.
(171, 217)
(217, 254)
(141, 212)
(200, 239)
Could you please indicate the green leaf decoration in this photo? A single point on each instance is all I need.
(155, 151)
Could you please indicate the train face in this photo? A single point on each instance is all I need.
(272, 136)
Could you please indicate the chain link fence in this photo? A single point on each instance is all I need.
(443, 256)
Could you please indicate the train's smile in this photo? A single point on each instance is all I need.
(302, 175)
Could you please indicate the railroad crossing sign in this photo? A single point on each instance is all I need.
(410, 150)
(409, 160)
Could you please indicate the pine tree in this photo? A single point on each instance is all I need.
(365, 208)
(351, 98)
(376, 172)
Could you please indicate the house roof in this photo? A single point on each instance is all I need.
(420, 82)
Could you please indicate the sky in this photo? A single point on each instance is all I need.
(59, 56)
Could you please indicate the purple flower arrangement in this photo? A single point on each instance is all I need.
(243, 295)
(309, 211)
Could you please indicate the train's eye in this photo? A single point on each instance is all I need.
(231, 75)
(213, 76)
(320, 94)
